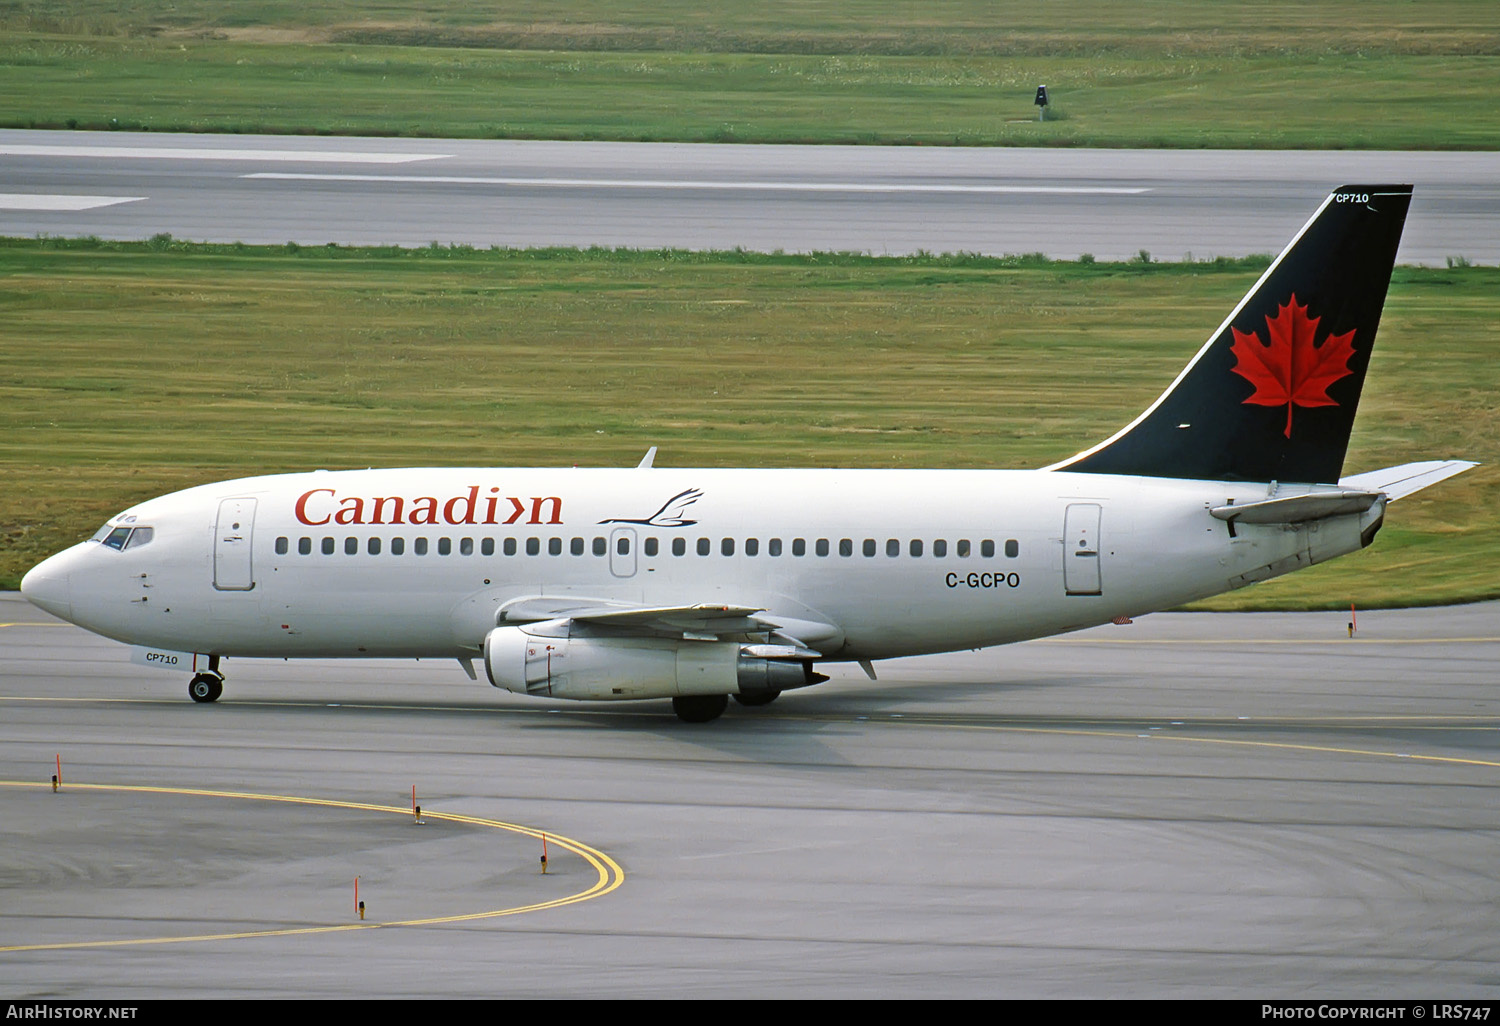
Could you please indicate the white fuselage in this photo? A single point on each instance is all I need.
(417, 562)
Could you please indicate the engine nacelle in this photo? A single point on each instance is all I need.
(602, 669)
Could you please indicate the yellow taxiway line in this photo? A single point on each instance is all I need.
(609, 875)
(1154, 732)
(1340, 640)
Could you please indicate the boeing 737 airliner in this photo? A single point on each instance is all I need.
(696, 585)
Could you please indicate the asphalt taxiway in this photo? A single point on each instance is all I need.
(1193, 805)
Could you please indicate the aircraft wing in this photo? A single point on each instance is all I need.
(713, 617)
(703, 621)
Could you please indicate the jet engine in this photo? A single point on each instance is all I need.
(530, 662)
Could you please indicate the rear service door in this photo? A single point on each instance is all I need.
(1081, 573)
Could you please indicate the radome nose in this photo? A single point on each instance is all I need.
(46, 586)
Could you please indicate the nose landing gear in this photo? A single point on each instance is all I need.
(206, 687)
(209, 685)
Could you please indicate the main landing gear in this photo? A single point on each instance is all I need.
(706, 708)
(699, 708)
(207, 686)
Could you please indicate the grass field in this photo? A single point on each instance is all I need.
(931, 27)
(127, 370)
(1181, 73)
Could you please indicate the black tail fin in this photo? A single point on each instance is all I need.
(1271, 395)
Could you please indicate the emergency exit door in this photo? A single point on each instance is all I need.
(622, 552)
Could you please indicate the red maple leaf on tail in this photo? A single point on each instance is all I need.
(1291, 370)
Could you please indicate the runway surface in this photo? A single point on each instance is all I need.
(1249, 806)
(882, 200)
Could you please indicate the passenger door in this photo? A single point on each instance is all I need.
(232, 545)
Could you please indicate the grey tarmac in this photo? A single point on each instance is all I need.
(1193, 805)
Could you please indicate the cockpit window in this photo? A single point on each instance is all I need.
(124, 537)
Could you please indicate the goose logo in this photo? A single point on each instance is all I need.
(670, 514)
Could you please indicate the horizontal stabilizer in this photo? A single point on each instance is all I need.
(1400, 481)
(1354, 495)
(1297, 509)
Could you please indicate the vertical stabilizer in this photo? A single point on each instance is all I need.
(1271, 396)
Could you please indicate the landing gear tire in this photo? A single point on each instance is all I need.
(206, 687)
(700, 708)
(758, 698)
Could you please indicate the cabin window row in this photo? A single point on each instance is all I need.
(870, 547)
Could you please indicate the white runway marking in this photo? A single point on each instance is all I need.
(26, 201)
(204, 153)
(640, 183)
